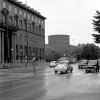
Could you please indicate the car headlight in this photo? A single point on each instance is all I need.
(64, 67)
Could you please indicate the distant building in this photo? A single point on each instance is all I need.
(22, 31)
(61, 43)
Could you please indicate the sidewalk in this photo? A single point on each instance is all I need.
(20, 71)
(20, 65)
(25, 67)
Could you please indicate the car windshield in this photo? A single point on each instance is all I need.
(53, 62)
(61, 62)
(92, 62)
(83, 61)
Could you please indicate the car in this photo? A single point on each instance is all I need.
(82, 64)
(91, 67)
(63, 67)
(53, 63)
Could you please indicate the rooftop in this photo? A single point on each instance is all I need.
(24, 6)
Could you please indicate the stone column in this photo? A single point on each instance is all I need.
(14, 47)
(2, 46)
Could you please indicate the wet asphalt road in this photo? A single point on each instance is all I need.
(46, 85)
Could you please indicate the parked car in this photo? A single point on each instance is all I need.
(53, 63)
(63, 67)
(82, 64)
(91, 67)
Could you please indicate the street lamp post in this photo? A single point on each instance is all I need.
(33, 60)
(34, 56)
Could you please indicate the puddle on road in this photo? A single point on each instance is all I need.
(73, 83)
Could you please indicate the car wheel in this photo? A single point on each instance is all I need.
(55, 72)
(66, 71)
(61, 72)
(71, 71)
(86, 71)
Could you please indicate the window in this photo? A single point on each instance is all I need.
(33, 27)
(36, 30)
(25, 47)
(3, 18)
(39, 21)
(15, 10)
(35, 19)
(29, 27)
(42, 23)
(30, 53)
(15, 22)
(24, 14)
(25, 26)
(40, 29)
(20, 24)
(20, 12)
(43, 32)
(10, 8)
(10, 20)
(29, 16)
(32, 18)
(4, 5)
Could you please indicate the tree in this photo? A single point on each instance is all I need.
(51, 54)
(77, 52)
(96, 24)
(90, 51)
(86, 51)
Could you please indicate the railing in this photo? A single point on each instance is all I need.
(10, 25)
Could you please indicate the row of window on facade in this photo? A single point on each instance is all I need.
(31, 27)
(21, 51)
(24, 13)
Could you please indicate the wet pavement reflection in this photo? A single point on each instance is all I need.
(47, 85)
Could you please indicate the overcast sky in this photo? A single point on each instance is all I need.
(68, 17)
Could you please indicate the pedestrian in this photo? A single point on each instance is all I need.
(97, 67)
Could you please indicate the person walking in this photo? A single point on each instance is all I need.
(97, 67)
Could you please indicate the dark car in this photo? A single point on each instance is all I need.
(82, 64)
(91, 67)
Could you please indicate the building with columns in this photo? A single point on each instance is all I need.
(22, 32)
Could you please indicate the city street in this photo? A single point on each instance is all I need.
(46, 85)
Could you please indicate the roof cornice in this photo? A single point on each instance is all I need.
(24, 6)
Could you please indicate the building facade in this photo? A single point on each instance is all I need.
(61, 43)
(22, 32)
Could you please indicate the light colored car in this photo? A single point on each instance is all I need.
(63, 67)
(82, 64)
(53, 63)
(91, 67)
